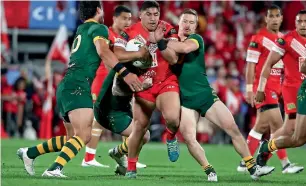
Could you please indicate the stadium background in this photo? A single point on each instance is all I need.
(32, 25)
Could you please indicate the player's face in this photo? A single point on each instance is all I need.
(274, 19)
(123, 21)
(100, 14)
(188, 24)
(149, 18)
(300, 24)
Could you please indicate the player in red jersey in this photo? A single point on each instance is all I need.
(164, 94)
(122, 19)
(268, 112)
(291, 49)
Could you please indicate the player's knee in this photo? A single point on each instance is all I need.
(146, 137)
(172, 118)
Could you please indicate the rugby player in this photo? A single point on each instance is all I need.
(73, 94)
(268, 113)
(199, 99)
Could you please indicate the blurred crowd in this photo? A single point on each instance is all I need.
(226, 28)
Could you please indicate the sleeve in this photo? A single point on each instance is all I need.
(253, 52)
(170, 33)
(98, 31)
(280, 46)
(197, 39)
(122, 40)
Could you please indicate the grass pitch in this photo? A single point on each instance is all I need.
(160, 170)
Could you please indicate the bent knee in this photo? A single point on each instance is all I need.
(172, 117)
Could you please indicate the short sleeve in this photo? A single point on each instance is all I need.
(197, 39)
(98, 31)
(122, 40)
(253, 52)
(170, 32)
(280, 46)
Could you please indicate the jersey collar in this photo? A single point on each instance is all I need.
(91, 20)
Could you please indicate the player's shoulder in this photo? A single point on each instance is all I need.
(196, 37)
(94, 27)
(286, 38)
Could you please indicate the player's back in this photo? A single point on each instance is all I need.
(84, 59)
(292, 47)
(193, 78)
(258, 51)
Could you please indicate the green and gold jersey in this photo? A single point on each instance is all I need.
(192, 75)
(84, 59)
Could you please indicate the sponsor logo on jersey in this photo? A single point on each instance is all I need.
(125, 35)
(253, 44)
(280, 41)
(172, 31)
(291, 106)
(273, 95)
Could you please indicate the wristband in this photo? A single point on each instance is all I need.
(262, 84)
(118, 67)
(124, 73)
(162, 44)
(249, 87)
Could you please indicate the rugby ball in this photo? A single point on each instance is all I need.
(134, 45)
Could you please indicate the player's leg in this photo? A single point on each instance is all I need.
(188, 124)
(219, 114)
(142, 111)
(169, 105)
(55, 144)
(81, 121)
(91, 147)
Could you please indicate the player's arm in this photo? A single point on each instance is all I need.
(185, 47)
(99, 33)
(253, 54)
(303, 67)
(127, 56)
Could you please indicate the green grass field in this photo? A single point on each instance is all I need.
(159, 171)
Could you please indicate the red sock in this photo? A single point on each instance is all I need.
(282, 154)
(132, 164)
(170, 134)
(89, 156)
(253, 144)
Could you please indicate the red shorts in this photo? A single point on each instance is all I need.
(169, 85)
(289, 94)
(272, 96)
(97, 85)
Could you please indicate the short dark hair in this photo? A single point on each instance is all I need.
(149, 4)
(301, 12)
(274, 7)
(88, 9)
(119, 9)
(190, 11)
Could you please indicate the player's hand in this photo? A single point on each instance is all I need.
(133, 82)
(250, 98)
(260, 97)
(147, 83)
(159, 32)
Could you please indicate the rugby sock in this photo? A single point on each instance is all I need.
(253, 141)
(54, 144)
(208, 169)
(122, 149)
(69, 151)
(170, 134)
(272, 146)
(250, 164)
(132, 164)
(90, 154)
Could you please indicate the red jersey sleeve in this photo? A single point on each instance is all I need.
(254, 50)
(170, 32)
(281, 46)
(123, 38)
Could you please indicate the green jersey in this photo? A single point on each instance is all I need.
(193, 78)
(84, 59)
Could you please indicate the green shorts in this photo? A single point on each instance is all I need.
(71, 95)
(201, 101)
(301, 99)
(112, 112)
